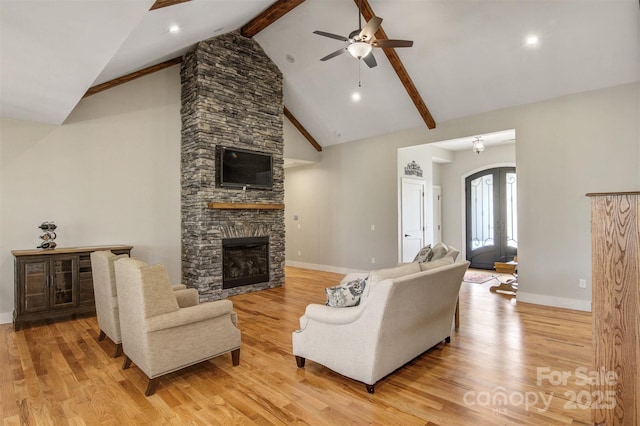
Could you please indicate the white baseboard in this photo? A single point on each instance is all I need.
(325, 268)
(6, 317)
(558, 302)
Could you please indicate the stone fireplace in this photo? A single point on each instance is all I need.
(231, 97)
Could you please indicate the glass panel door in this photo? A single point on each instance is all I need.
(482, 217)
(64, 272)
(491, 217)
(511, 219)
(36, 274)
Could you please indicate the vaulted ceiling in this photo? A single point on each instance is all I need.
(468, 57)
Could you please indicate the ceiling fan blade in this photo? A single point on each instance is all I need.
(370, 29)
(392, 43)
(335, 36)
(370, 60)
(334, 54)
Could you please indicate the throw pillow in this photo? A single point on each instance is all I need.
(424, 255)
(439, 251)
(347, 294)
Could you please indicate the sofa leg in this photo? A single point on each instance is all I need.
(101, 336)
(151, 387)
(300, 361)
(118, 350)
(235, 357)
(126, 363)
(447, 339)
(370, 388)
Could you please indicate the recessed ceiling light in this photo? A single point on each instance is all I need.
(355, 97)
(174, 29)
(532, 40)
(290, 58)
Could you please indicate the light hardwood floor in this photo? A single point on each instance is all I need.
(59, 373)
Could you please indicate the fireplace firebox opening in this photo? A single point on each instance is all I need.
(245, 261)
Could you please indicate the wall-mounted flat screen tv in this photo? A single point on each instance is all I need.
(241, 168)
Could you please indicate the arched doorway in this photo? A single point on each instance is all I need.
(491, 217)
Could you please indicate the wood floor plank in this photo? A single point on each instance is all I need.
(59, 373)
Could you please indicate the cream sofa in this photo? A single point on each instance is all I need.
(403, 312)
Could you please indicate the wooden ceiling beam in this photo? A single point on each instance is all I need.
(274, 12)
(302, 130)
(132, 76)
(396, 63)
(164, 3)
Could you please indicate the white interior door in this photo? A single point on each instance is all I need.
(437, 214)
(412, 218)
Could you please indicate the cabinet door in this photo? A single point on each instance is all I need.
(35, 280)
(64, 275)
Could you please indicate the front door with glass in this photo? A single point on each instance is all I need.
(491, 217)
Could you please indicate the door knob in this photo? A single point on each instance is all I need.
(407, 235)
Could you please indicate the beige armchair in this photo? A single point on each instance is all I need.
(104, 288)
(158, 335)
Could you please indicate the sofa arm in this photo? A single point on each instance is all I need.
(192, 314)
(329, 315)
(187, 297)
(176, 287)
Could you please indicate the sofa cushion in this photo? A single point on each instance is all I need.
(346, 294)
(390, 273)
(447, 260)
(424, 255)
(439, 251)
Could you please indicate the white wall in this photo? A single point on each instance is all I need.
(297, 146)
(565, 148)
(109, 175)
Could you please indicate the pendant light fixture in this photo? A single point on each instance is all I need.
(478, 145)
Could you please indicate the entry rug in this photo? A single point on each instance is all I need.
(477, 277)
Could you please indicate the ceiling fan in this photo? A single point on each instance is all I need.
(362, 41)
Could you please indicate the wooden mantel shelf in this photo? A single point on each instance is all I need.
(246, 206)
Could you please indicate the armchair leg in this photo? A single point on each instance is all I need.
(151, 387)
(118, 350)
(300, 361)
(447, 339)
(370, 388)
(101, 336)
(126, 363)
(235, 357)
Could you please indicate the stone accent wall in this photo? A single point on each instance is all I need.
(232, 97)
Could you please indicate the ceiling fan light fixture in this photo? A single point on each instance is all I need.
(359, 49)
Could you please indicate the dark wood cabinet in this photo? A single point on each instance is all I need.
(55, 283)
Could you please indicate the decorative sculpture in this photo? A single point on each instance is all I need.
(413, 168)
(48, 236)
